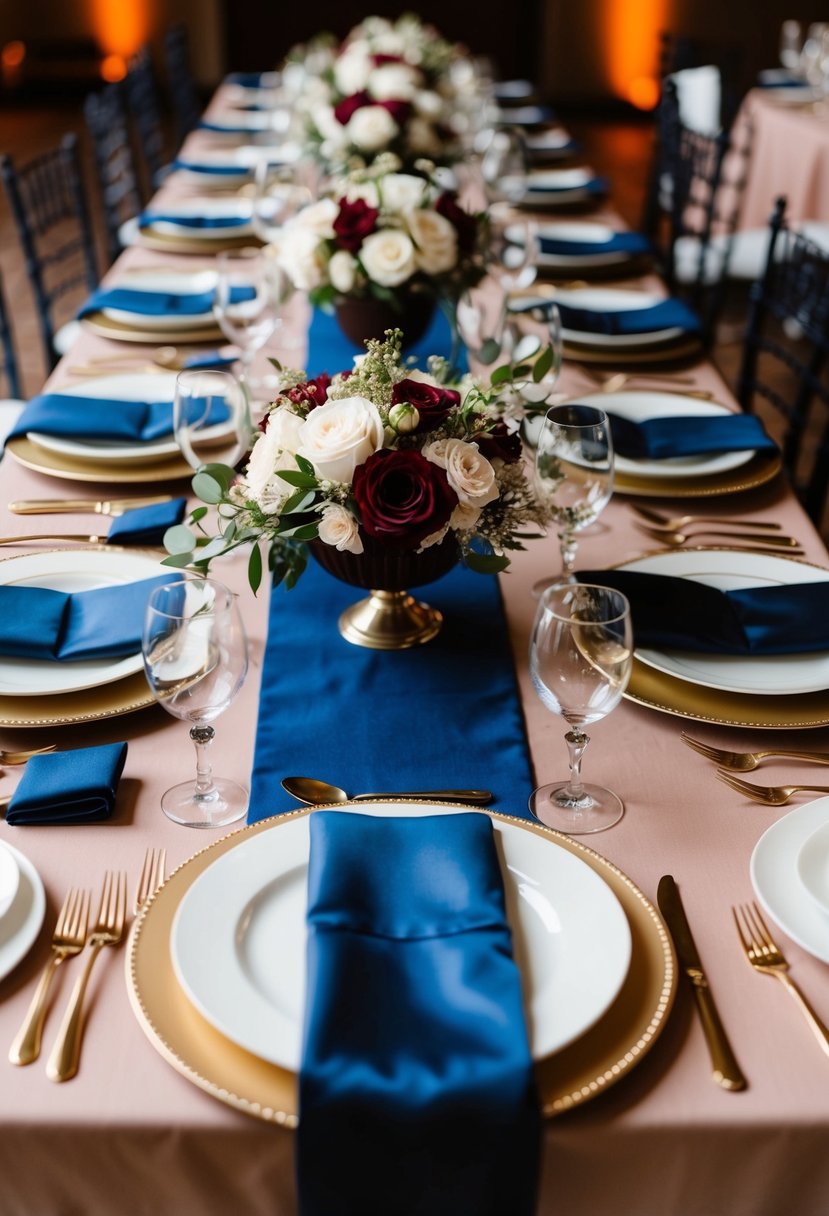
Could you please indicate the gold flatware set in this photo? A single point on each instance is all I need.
(773, 542)
(732, 762)
(92, 506)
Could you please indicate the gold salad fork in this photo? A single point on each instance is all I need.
(755, 542)
(107, 931)
(766, 957)
(677, 522)
(150, 878)
(68, 939)
(768, 795)
(23, 756)
(746, 762)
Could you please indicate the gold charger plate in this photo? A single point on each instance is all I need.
(56, 464)
(168, 243)
(107, 327)
(579, 1072)
(69, 708)
(762, 467)
(682, 349)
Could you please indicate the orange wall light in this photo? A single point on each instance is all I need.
(120, 27)
(632, 30)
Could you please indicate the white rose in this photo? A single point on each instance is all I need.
(388, 257)
(300, 255)
(421, 377)
(397, 81)
(428, 103)
(402, 191)
(340, 435)
(464, 517)
(469, 473)
(423, 137)
(338, 527)
(318, 218)
(352, 69)
(322, 116)
(389, 42)
(371, 128)
(272, 451)
(342, 271)
(436, 240)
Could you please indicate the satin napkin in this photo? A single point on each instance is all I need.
(683, 614)
(104, 623)
(75, 417)
(667, 314)
(161, 303)
(692, 435)
(68, 787)
(147, 218)
(253, 80)
(619, 242)
(212, 169)
(595, 185)
(146, 525)
(416, 1086)
(220, 128)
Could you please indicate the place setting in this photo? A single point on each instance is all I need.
(198, 225)
(222, 169)
(580, 247)
(153, 305)
(548, 189)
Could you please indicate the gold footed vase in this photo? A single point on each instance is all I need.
(389, 618)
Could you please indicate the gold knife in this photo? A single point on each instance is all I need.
(727, 1071)
(57, 506)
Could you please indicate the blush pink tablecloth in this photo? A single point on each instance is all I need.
(131, 1136)
(789, 155)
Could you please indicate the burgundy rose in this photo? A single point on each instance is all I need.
(499, 442)
(402, 497)
(399, 110)
(378, 59)
(434, 404)
(345, 108)
(312, 392)
(464, 224)
(354, 222)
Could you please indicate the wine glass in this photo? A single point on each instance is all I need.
(513, 247)
(532, 331)
(211, 418)
(573, 474)
(791, 42)
(481, 317)
(196, 659)
(504, 166)
(277, 198)
(250, 291)
(581, 654)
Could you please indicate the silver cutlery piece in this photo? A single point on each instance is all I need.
(746, 762)
(677, 522)
(316, 793)
(106, 506)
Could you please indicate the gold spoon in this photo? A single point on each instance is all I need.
(317, 793)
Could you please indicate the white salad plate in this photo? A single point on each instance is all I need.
(216, 208)
(587, 233)
(70, 570)
(181, 283)
(20, 925)
(774, 876)
(605, 300)
(769, 675)
(238, 939)
(813, 867)
(9, 878)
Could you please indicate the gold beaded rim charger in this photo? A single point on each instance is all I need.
(73, 468)
(580, 1071)
(108, 327)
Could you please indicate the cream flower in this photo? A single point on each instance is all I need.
(352, 69)
(428, 103)
(371, 128)
(340, 435)
(338, 527)
(318, 218)
(434, 538)
(469, 473)
(300, 255)
(423, 138)
(464, 517)
(436, 240)
(272, 451)
(402, 191)
(342, 271)
(397, 81)
(388, 257)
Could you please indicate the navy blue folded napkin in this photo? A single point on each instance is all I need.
(104, 623)
(147, 218)
(667, 314)
(160, 303)
(103, 418)
(252, 80)
(683, 614)
(416, 1086)
(779, 78)
(68, 787)
(595, 185)
(146, 525)
(195, 166)
(222, 128)
(620, 242)
(692, 435)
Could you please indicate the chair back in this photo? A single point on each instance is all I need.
(49, 207)
(8, 358)
(144, 104)
(181, 83)
(115, 168)
(785, 356)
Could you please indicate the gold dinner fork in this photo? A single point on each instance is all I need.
(766, 957)
(68, 939)
(677, 522)
(107, 931)
(22, 757)
(150, 878)
(768, 795)
(754, 542)
(746, 762)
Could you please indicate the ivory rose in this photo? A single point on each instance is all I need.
(342, 270)
(371, 128)
(338, 527)
(273, 450)
(339, 436)
(436, 241)
(394, 80)
(402, 191)
(469, 473)
(388, 257)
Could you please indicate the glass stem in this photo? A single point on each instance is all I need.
(449, 308)
(568, 545)
(576, 741)
(202, 737)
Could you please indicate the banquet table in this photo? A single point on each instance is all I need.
(131, 1135)
(789, 155)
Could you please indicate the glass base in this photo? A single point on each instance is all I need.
(599, 809)
(226, 803)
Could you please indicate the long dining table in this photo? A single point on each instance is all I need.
(131, 1134)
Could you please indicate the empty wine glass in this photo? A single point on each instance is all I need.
(581, 653)
(196, 659)
(504, 166)
(532, 332)
(791, 42)
(481, 318)
(513, 247)
(277, 198)
(211, 418)
(573, 474)
(250, 292)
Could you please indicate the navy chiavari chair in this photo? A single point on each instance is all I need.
(115, 168)
(8, 356)
(144, 104)
(181, 83)
(50, 212)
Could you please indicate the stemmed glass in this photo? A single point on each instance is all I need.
(533, 331)
(573, 474)
(581, 654)
(791, 43)
(211, 418)
(504, 166)
(250, 292)
(481, 319)
(277, 198)
(513, 247)
(196, 659)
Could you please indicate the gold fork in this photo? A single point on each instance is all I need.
(22, 757)
(68, 939)
(750, 541)
(766, 957)
(677, 522)
(768, 795)
(150, 878)
(107, 931)
(746, 762)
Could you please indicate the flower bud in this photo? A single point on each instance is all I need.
(404, 418)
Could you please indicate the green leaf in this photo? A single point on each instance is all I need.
(485, 563)
(207, 488)
(255, 568)
(295, 477)
(490, 350)
(197, 513)
(222, 473)
(303, 532)
(299, 501)
(543, 364)
(179, 560)
(275, 363)
(304, 465)
(179, 539)
(501, 375)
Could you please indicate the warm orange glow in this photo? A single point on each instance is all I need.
(631, 47)
(120, 26)
(113, 68)
(13, 54)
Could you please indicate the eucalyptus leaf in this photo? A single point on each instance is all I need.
(207, 488)
(490, 350)
(179, 560)
(179, 539)
(223, 473)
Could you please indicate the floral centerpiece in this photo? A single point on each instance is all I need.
(383, 466)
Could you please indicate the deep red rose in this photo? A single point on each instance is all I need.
(464, 224)
(402, 497)
(312, 393)
(379, 59)
(433, 403)
(354, 222)
(399, 110)
(345, 108)
(500, 442)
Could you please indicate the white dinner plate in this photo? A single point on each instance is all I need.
(149, 386)
(546, 141)
(70, 570)
(9, 878)
(765, 675)
(255, 121)
(813, 867)
(774, 877)
(21, 924)
(177, 282)
(213, 207)
(589, 234)
(238, 940)
(610, 300)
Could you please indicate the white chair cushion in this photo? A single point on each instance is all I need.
(10, 411)
(698, 97)
(128, 233)
(66, 336)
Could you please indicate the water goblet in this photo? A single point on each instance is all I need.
(481, 319)
(532, 332)
(211, 418)
(513, 247)
(573, 474)
(504, 166)
(277, 198)
(581, 654)
(250, 292)
(791, 43)
(196, 659)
